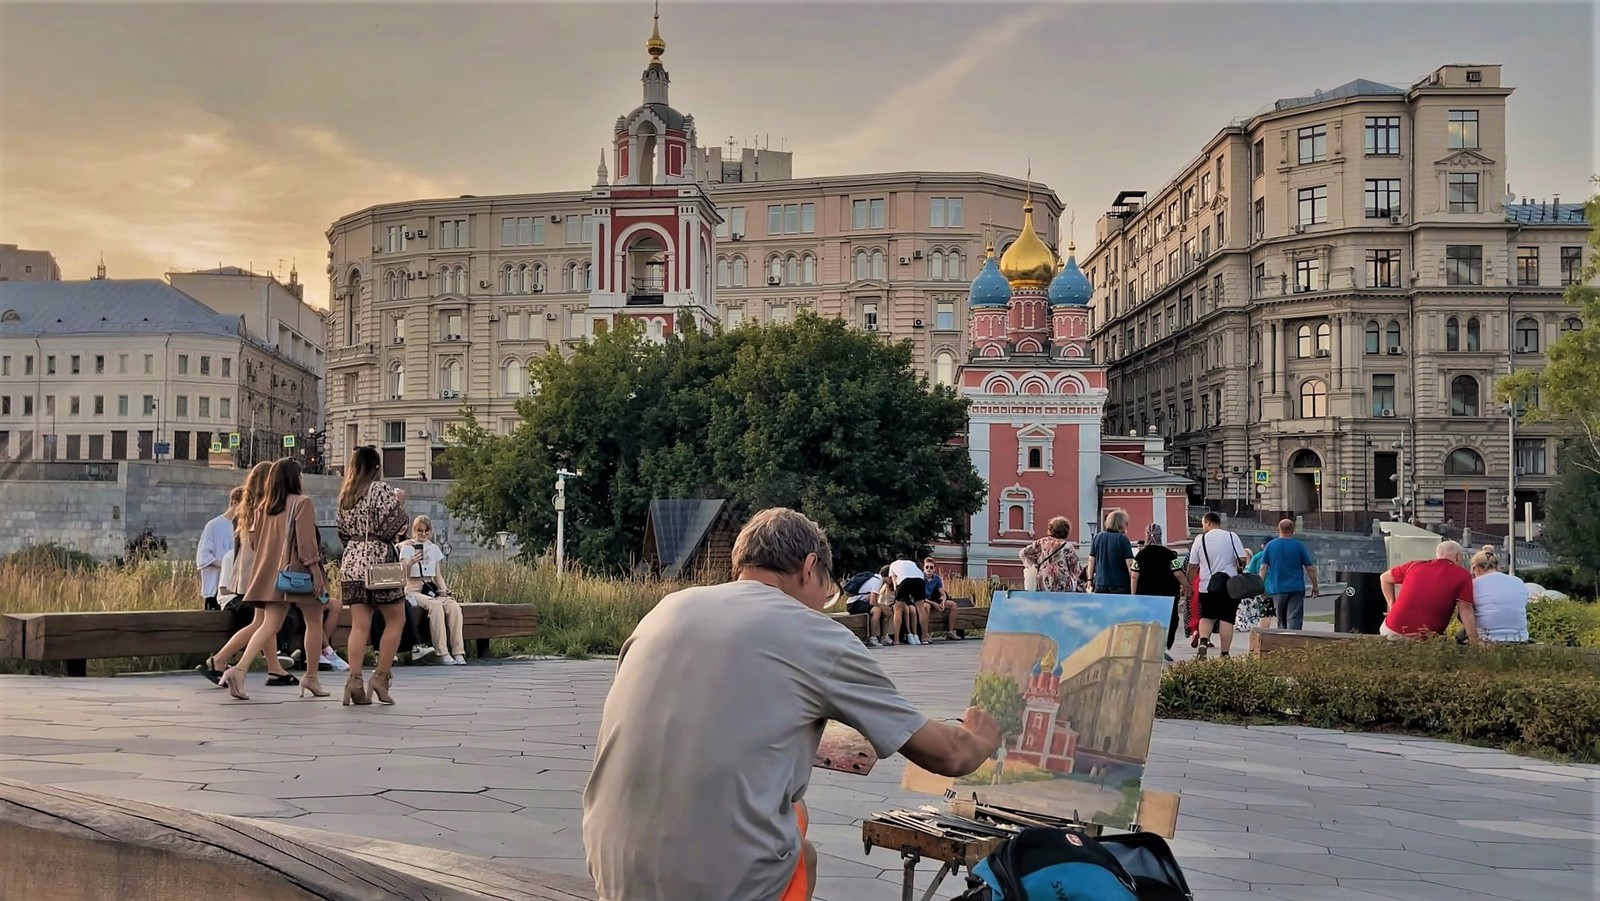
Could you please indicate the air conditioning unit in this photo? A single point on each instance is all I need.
(905, 261)
(422, 273)
(1524, 349)
(1199, 258)
(1387, 414)
(399, 341)
(869, 327)
(916, 323)
(774, 280)
(916, 255)
(394, 397)
(538, 289)
(483, 284)
(447, 394)
(1322, 353)
(1395, 351)
(422, 233)
(1299, 229)
(458, 338)
(377, 248)
(1394, 219)
(737, 236)
(494, 317)
(410, 235)
(556, 218)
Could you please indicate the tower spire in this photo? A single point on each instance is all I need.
(655, 46)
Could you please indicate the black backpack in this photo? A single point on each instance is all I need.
(852, 585)
(1067, 865)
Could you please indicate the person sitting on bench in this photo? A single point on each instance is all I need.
(427, 589)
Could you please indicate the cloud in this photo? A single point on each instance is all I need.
(178, 188)
(905, 107)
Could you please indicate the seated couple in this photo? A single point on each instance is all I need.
(903, 596)
(427, 590)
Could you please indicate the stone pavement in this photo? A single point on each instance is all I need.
(491, 760)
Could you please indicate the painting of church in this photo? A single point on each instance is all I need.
(1046, 741)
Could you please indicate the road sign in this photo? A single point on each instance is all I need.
(163, 449)
(1316, 478)
(1261, 477)
(216, 447)
(1344, 483)
(233, 440)
(288, 441)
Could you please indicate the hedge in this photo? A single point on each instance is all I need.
(1531, 699)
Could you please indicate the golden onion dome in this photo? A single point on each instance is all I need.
(1028, 262)
(655, 46)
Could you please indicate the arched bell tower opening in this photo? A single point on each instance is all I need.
(645, 269)
(645, 138)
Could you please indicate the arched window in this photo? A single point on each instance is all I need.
(1305, 458)
(1303, 341)
(461, 280)
(1324, 338)
(447, 281)
(954, 267)
(450, 377)
(880, 268)
(1393, 334)
(936, 266)
(1313, 399)
(1452, 334)
(808, 270)
(654, 330)
(516, 377)
(538, 276)
(1473, 332)
(724, 272)
(393, 281)
(1464, 396)
(1463, 461)
(588, 276)
(791, 270)
(1571, 324)
(774, 269)
(569, 282)
(740, 267)
(1035, 458)
(944, 368)
(863, 269)
(397, 380)
(1374, 336)
(508, 280)
(1527, 335)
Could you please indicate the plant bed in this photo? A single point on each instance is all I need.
(1532, 699)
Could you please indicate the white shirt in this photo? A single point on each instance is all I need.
(216, 542)
(1501, 603)
(905, 569)
(1220, 554)
(431, 558)
(870, 586)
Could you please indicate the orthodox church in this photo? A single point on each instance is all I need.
(1034, 427)
(1045, 742)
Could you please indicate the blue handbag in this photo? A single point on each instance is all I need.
(291, 581)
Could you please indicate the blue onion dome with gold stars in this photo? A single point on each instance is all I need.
(1070, 287)
(990, 288)
(1028, 262)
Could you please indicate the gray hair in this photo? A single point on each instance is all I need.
(1449, 550)
(1116, 521)
(780, 539)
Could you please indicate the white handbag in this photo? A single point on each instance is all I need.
(1030, 578)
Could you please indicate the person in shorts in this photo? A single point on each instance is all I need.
(938, 602)
(911, 589)
(1216, 556)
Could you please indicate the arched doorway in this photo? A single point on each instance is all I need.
(1305, 482)
(646, 275)
(646, 136)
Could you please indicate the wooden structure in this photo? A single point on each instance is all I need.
(69, 846)
(80, 637)
(1270, 640)
(966, 618)
(689, 539)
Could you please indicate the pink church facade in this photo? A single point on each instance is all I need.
(1034, 425)
(1045, 742)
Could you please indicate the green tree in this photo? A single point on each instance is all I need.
(812, 415)
(999, 694)
(1571, 526)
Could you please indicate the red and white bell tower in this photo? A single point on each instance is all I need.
(654, 226)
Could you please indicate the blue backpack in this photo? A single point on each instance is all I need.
(1042, 864)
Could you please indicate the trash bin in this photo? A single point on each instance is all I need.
(1361, 608)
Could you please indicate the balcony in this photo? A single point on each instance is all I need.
(649, 291)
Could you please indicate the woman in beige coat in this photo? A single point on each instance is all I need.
(243, 515)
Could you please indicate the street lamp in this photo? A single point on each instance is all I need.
(1511, 489)
(560, 502)
(503, 537)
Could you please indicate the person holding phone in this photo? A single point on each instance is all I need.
(427, 589)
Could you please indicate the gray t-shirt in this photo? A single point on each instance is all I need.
(708, 737)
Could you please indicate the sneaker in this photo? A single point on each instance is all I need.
(872, 642)
(957, 635)
(913, 640)
(286, 661)
(461, 660)
(422, 652)
(444, 659)
(330, 657)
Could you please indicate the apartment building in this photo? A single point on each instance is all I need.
(1316, 308)
(18, 265)
(138, 370)
(441, 304)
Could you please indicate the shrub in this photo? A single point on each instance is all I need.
(1565, 579)
(1528, 698)
(47, 557)
(1570, 623)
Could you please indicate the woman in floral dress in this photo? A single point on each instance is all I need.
(1055, 557)
(372, 517)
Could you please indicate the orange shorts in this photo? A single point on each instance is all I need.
(796, 890)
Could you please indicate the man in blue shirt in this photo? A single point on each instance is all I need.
(1287, 568)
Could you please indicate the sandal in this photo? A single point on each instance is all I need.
(210, 671)
(275, 680)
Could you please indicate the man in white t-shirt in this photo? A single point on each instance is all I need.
(910, 590)
(1217, 555)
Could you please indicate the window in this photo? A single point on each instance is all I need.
(866, 213)
(27, 364)
(1571, 324)
(723, 272)
(1383, 395)
(515, 378)
(74, 406)
(1463, 461)
(122, 364)
(1463, 264)
(1313, 399)
(1571, 265)
(1383, 197)
(946, 212)
(879, 265)
(1205, 187)
(1383, 136)
(1527, 335)
(1303, 345)
(877, 213)
(451, 326)
(944, 368)
(1260, 217)
(869, 316)
(205, 363)
(791, 218)
(521, 231)
(808, 218)
(227, 367)
(775, 219)
(76, 365)
(791, 270)
(27, 405)
(450, 378)
(99, 405)
(1527, 265)
(225, 408)
(1463, 192)
(1452, 334)
(1205, 241)
(944, 316)
(780, 315)
(1313, 143)
(1324, 339)
(1472, 334)
(1392, 336)
(394, 432)
(50, 364)
(453, 233)
(1259, 277)
(1306, 273)
(1383, 268)
(739, 276)
(205, 408)
(183, 364)
(1189, 208)
(1463, 129)
(1312, 208)
(735, 317)
(1221, 240)
(1464, 396)
(183, 406)
(1258, 156)
(775, 270)
(1530, 456)
(122, 405)
(574, 230)
(1374, 336)
(395, 239)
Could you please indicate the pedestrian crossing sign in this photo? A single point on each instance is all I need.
(1261, 477)
(233, 440)
(288, 441)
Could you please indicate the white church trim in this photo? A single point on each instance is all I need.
(1039, 438)
(1015, 498)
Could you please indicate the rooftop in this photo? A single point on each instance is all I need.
(1547, 213)
(100, 306)
(1361, 87)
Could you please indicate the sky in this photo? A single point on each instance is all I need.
(184, 135)
(1073, 620)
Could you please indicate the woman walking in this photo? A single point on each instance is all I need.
(244, 515)
(372, 518)
(287, 570)
(1054, 557)
(1158, 572)
(426, 587)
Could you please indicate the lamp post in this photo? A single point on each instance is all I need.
(1511, 489)
(560, 502)
(502, 537)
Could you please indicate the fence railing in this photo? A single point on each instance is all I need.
(57, 471)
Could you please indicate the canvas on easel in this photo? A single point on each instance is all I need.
(1072, 680)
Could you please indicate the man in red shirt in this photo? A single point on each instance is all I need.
(1433, 589)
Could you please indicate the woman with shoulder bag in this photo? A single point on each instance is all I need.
(287, 570)
(426, 587)
(372, 517)
(1054, 558)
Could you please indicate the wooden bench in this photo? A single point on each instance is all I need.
(966, 618)
(1270, 640)
(78, 638)
(70, 846)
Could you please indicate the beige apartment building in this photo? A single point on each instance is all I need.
(1317, 307)
(18, 265)
(439, 305)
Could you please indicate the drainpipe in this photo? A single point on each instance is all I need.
(38, 392)
(1411, 305)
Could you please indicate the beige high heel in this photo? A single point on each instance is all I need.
(354, 691)
(380, 686)
(309, 682)
(234, 679)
